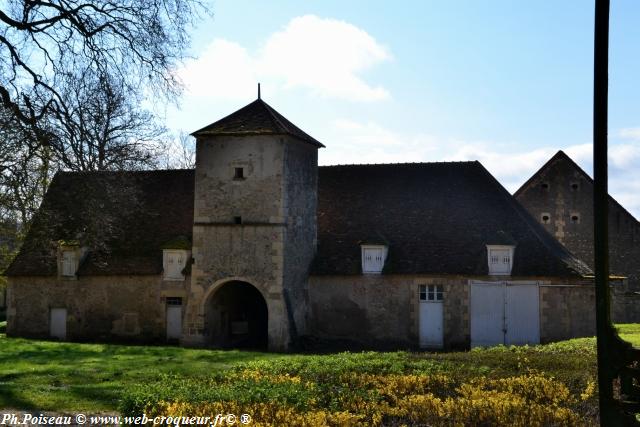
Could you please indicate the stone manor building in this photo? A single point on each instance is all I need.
(258, 247)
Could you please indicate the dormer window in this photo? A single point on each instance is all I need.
(500, 259)
(174, 261)
(373, 257)
(69, 262)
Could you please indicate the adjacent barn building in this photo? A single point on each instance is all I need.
(560, 197)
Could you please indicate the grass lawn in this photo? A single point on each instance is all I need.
(93, 378)
(630, 332)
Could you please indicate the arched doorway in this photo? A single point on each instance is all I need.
(237, 317)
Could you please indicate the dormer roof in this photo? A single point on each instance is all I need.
(256, 118)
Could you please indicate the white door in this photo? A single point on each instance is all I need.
(431, 316)
(58, 323)
(504, 313)
(174, 322)
(522, 314)
(487, 314)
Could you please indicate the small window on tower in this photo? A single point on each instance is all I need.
(545, 218)
(239, 173)
(544, 185)
(575, 218)
(575, 186)
(237, 220)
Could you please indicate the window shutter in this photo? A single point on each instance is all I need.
(68, 263)
(373, 259)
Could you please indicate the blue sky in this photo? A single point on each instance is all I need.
(505, 82)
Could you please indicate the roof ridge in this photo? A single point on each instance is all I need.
(130, 170)
(446, 162)
(277, 122)
(562, 155)
(533, 225)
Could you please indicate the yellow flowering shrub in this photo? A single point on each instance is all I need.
(530, 399)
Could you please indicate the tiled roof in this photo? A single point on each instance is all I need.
(436, 218)
(256, 118)
(125, 217)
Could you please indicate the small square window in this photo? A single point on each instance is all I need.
(239, 173)
(237, 220)
(423, 292)
(431, 292)
(174, 301)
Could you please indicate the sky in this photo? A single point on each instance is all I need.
(508, 83)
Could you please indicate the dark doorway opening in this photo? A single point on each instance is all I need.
(238, 317)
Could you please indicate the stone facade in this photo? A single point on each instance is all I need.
(99, 308)
(258, 229)
(257, 276)
(375, 311)
(560, 197)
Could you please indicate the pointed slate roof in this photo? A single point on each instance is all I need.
(256, 118)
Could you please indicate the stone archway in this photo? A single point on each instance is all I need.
(237, 317)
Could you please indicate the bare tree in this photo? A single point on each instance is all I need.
(180, 152)
(137, 43)
(25, 171)
(105, 128)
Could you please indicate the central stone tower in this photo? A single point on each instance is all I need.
(254, 231)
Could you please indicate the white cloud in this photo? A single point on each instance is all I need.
(356, 142)
(369, 142)
(624, 156)
(629, 133)
(224, 70)
(325, 56)
(508, 167)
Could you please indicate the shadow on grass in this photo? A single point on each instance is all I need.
(48, 375)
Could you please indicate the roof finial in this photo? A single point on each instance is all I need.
(258, 90)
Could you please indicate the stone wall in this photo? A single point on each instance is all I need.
(567, 311)
(260, 229)
(99, 308)
(562, 192)
(300, 206)
(382, 311)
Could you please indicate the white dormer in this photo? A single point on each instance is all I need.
(173, 263)
(70, 255)
(69, 262)
(500, 259)
(373, 257)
